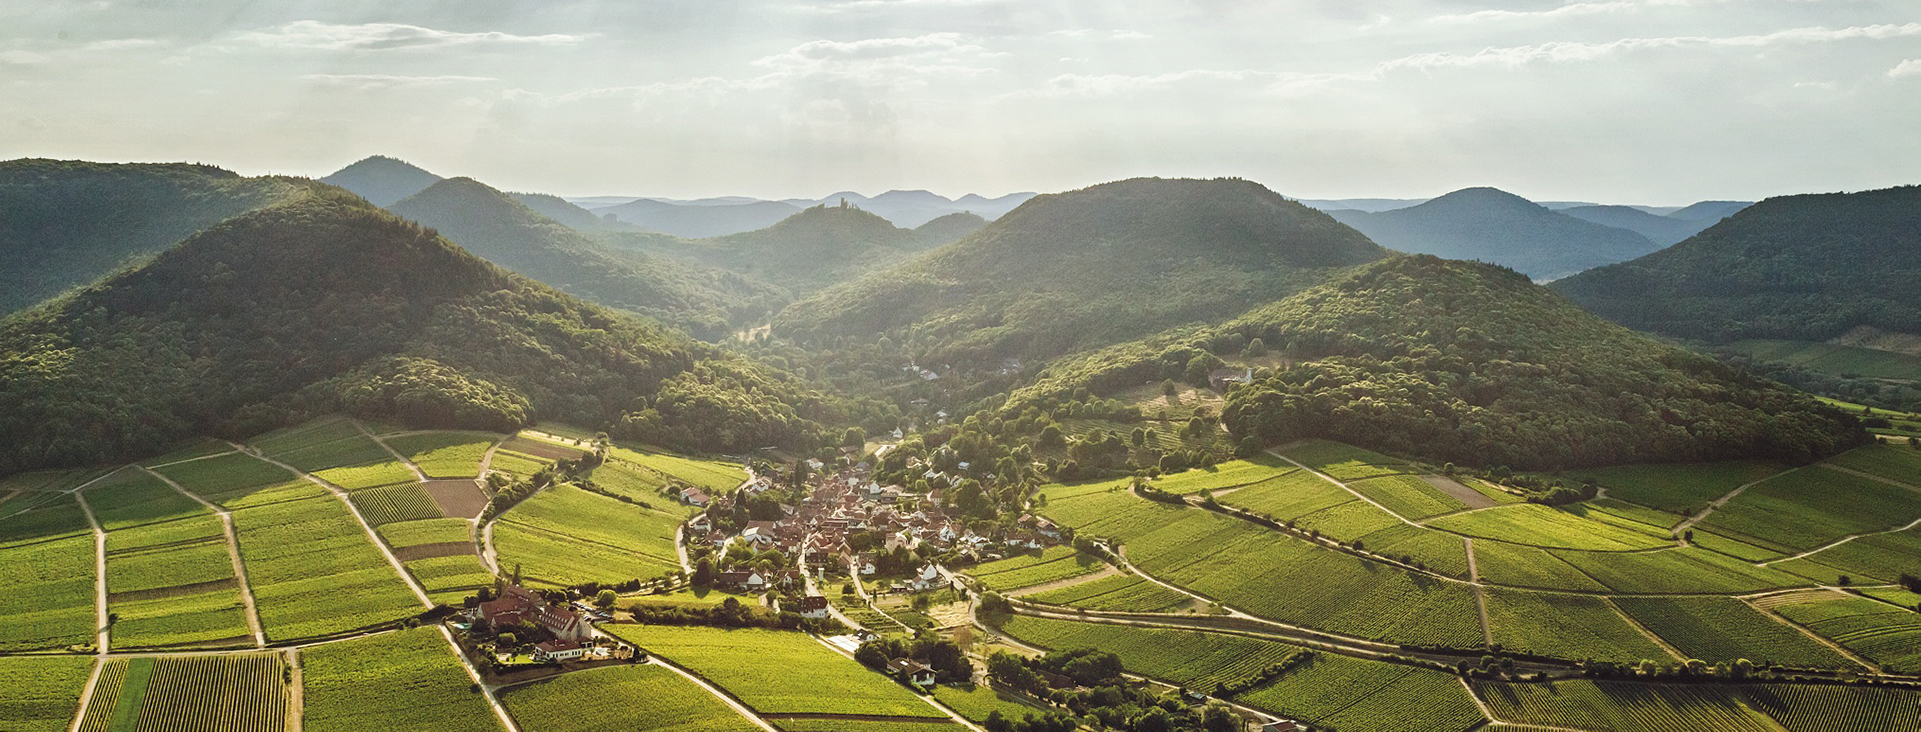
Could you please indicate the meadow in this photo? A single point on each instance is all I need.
(759, 667)
(637, 698)
(568, 536)
(42, 692)
(315, 572)
(405, 680)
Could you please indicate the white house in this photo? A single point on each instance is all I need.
(560, 650)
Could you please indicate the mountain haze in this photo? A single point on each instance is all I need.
(382, 180)
(695, 222)
(1491, 225)
(814, 248)
(1663, 231)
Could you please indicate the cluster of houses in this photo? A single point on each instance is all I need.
(572, 632)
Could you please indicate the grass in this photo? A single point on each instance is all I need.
(639, 698)
(314, 571)
(1034, 568)
(1407, 496)
(445, 454)
(1833, 358)
(1354, 695)
(42, 692)
(1537, 525)
(1884, 633)
(568, 536)
(395, 503)
(47, 594)
(760, 668)
(1191, 658)
(1718, 629)
(1574, 627)
(1121, 592)
(408, 680)
(1806, 508)
(239, 480)
(1681, 487)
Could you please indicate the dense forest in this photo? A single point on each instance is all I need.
(1491, 225)
(1806, 267)
(805, 252)
(1086, 268)
(324, 303)
(68, 223)
(703, 301)
(1469, 363)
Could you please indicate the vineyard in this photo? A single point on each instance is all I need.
(1574, 627)
(1684, 570)
(350, 451)
(216, 617)
(1537, 525)
(1526, 566)
(1881, 557)
(303, 436)
(1191, 658)
(1896, 464)
(1034, 568)
(429, 531)
(637, 698)
(132, 498)
(47, 590)
(1289, 496)
(1122, 592)
(713, 476)
(445, 454)
(1678, 487)
(42, 692)
(1407, 496)
(409, 680)
(1806, 508)
(1230, 474)
(239, 480)
(567, 536)
(314, 571)
(977, 702)
(1887, 634)
(1722, 629)
(1354, 695)
(245, 692)
(371, 475)
(1345, 462)
(830, 724)
(1685, 708)
(758, 666)
(395, 503)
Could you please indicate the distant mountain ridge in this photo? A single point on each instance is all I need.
(812, 249)
(382, 180)
(1491, 225)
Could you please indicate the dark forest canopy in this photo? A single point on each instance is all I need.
(1805, 267)
(325, 303)
(1087, 268)
(700, 300)
(68, 223)
(1474, 364)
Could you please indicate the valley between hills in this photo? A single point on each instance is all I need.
(387, 450)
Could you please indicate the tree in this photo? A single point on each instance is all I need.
(606, 599)
(507, 640)
(1153, 720)
(703, 572)
(1256, 348)
(853, 437)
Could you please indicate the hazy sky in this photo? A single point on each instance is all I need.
(1629, 101)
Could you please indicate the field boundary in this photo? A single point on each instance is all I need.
(1343, 486)
(1840, 541)
(233, 553)
(419, 477)
(102, 628)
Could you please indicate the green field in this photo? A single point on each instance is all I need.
(314, 571)
(1812, 506)
(395, 503)
(1354, 695)
(447, 580)
(1230, 474)
(1121, 592)
(1528, 566)
(213, 618)
(1683, 570)
(1573, 627)
(47, 590)
(445, 454)
(303, 436)
(239, 480)
(1191, 658)
(195, 449)
(1036, 567)
(1831, 358)
(1613, 705)
(1407, 496)
(132, 497)
(347, 452)
(1289, 496)
(977, 702)
(1722, 629)
(758, 667)
(42, 692)
(1678, 487)
(226, 693)
(712, 476)
(428, 531)
(1348, 521)
(1437, 551)
(1273, 575)
(1900, 464)
(371, 475)
(1881, 557)
(864, 725)
(517, 464)
(1345, 462)
(1886, 634)
(568, 536)
(638, 698)
(1538, 525)
(408, 680)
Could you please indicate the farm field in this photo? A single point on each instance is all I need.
(1230, 474)
(1289, 496)
(368, 475)
(239, 480)
(1121, 592)
(864, 725)
(1605, 705)
(1881, 557)
(1678, 487)
(1270, 574)
(428, 531)
(1681, 571)
(1527, 566)
(1834, 358)
(405, 680)
(1356, 695)
(1573, 627)
(712, 476)
(194, 449)
(757, 666)
(227, 693)
(314, 571)
(303, 436)
(1033, 568)
(1348, 521)
(1883, 633)
(1433, 550)
(172, 584)
(516, 464)
(1194, 659)
(47, 592)
(445, 454)
(216, 617)
(1722, 629)
(130, 498)
(1809, 507)
(395, 503)
(1538, 525)
(977, 702)
(42, 692)
(568, 536)
(638, 698)
(1407, 496)
(1345, 462)
(1900, 464)
(347, 452)
(449, 579)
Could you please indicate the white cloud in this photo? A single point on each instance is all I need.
(388, 81)
(1910, 67)
(1116, 34)
(1570, 9)
(22, 58)
(1564, 52)
(385, 36)
(122, 44)
(871, 48)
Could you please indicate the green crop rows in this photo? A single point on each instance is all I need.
(1355, 695)
(568, 536)
(239, 480)
(1688, 708)
(1805, 508)
(408, 680)
(314, 571)
(1407, 495)
(759, 667)
(1678, 488)
(445, 454)
(1049, 565)
(42, 692)
(1194, 659)
(1345, 462)
(395, 503)
(1720, 629)
(1229, 474)
(1121, 592)
(638, 698)
(1538, 525)
(1569, 626)
(1886, 634)
(47, 590)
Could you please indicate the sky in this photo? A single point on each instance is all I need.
(1618, 101)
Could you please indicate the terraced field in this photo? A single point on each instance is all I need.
(406, 680)
(314, 571)
(42, 692)
(757, 666)
(47, 590)
(1722, 629)
(1034, 568)
(639, 698)
(1605, 705)
(568, 536)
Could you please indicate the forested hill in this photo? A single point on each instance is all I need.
(68, 223)
(805, 252)
(382, 180)
(502, 230)
(1088, 268)
(1805, 267)
(1491, 225)
(1470, 363)
(325, 303)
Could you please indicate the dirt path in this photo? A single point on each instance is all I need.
(1870, 476)
(372, 535)
(1104, 573)
(1344, 486)
(506, 720)
(1681, 529)
(103, 627)
(956, 716)
(722, 695)
(415, 469)
(1480, 593)
(487, 459)
(1842, 540)
(680, 547)
(191, 459)
(86, 694)
(233, 554)
(1649, 634)
(1816, 637)
(296, 692)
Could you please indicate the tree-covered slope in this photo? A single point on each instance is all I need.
(1663, 231)
(1808, 267)
(810, 250)
(1088, 268)
(382, 180)
(1490, 225)
(699, 220)
(66, 223)
(506, 232)
(1470, 363)
(563, 211)
(325, 303)
(947, 229)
